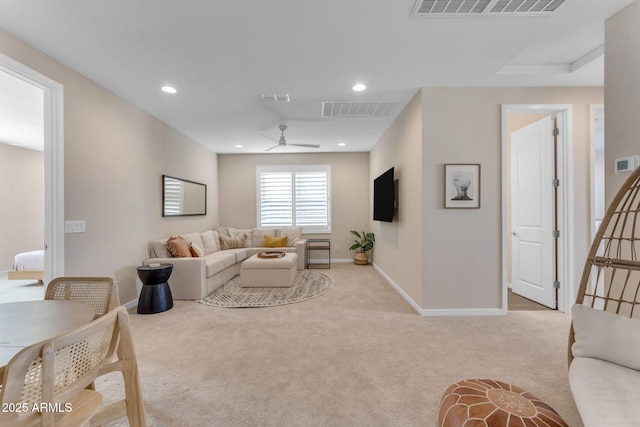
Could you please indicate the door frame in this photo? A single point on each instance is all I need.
(565, 198)
(53, 162)
(593, 109)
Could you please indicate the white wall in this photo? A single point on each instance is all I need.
(460, 254)
(114, 157)
(349, 192)
(22, 195)
(399, 244)
(622, 92)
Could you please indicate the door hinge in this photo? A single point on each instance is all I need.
(556, 132)
(555, 183)
(556, 233)
(556, 284)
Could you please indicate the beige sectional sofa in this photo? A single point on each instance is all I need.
(196, 277)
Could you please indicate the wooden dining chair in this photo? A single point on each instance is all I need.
(102, 294)
(46, 383)
(99, 292)
(125, 362)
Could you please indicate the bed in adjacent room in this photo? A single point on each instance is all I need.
(28, 266)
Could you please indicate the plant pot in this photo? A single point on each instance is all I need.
(360, 258)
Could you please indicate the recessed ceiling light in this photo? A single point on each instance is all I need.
(341, 144)
(238, 146)
(169, 89)
(359, 87)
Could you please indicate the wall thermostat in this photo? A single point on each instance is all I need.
(627, 164)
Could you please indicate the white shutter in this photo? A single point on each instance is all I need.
(294, 195)
(276, 199)
(311, 201)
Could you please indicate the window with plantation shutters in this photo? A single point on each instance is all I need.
(294, 196)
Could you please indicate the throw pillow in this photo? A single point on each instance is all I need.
(178, 247)
(224, 231)
(195, 250)
(246, 234)
(258, 236)
(231, 242)
(293, 233)
(210, 241)
(606, 336)
(274, 242)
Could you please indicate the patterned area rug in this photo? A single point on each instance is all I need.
(308, 284)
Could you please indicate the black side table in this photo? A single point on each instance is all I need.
(155, 296)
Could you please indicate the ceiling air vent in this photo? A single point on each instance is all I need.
(450, 8)
(275, 97)
(357, 108)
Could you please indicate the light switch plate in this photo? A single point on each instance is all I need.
(75, 226)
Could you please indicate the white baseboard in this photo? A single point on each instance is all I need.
(440, 312)
(404, 295)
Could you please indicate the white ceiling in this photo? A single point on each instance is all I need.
(221, 55)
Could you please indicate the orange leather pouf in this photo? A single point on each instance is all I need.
(491, 403)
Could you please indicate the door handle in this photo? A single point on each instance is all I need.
(514, 233)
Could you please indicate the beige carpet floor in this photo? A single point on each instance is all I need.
(357, 356)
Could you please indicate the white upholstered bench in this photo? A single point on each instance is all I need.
(256, 272)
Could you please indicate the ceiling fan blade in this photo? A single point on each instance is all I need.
(306, 145)
(268, 137)
(275, 146)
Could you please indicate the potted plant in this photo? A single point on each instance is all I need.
(363, 244)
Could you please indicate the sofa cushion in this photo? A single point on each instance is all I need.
(274, 242)
(193, 238)
(293, 234)
(606, 394)
(231, 242)
(606, 336)
(242, 232)
(214, 265)
(210, 240)
(178, 247)
(258, 236)
(158, 249)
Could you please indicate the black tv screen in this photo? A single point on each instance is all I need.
(383, 197)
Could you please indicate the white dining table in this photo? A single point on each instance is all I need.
(27, 322)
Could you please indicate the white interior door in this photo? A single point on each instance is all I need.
(533, 212)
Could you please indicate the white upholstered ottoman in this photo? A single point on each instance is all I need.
(256, 272)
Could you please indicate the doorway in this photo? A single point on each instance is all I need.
(556, 250)
(598, 205)
(53, 163)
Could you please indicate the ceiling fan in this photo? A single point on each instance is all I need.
(282, 142)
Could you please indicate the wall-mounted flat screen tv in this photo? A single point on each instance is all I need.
(384, 197)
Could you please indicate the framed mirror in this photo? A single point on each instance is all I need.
(181, 197)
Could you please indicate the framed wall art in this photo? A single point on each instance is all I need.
(462, 185)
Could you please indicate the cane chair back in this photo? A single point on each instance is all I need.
(611, 276)
(132, 405)
(99, 292)
(56, 372)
